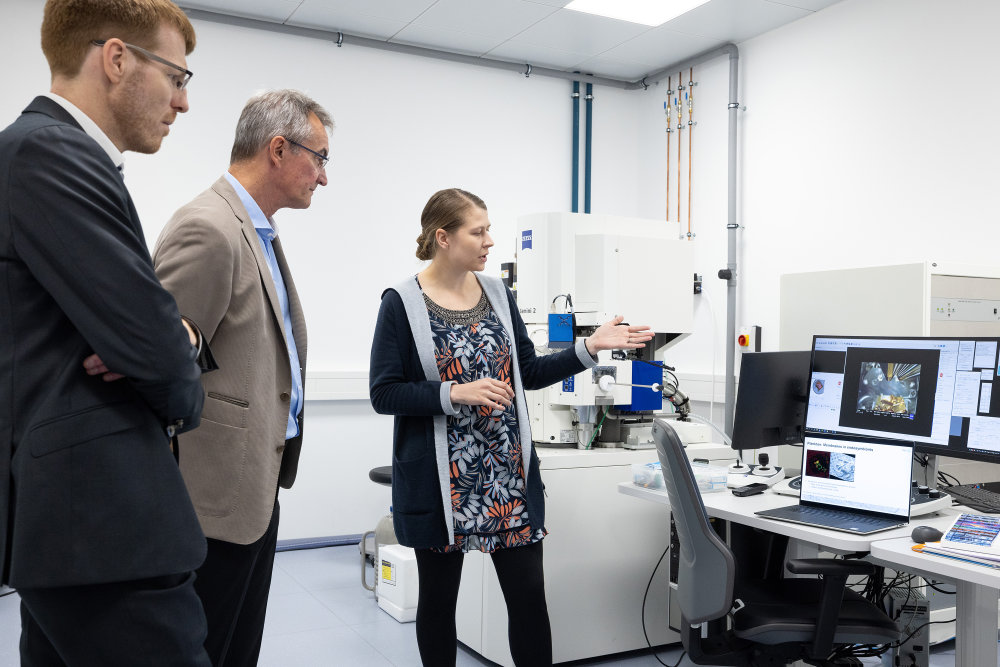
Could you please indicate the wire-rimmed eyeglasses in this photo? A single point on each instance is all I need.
(323, 159)
(180, 80)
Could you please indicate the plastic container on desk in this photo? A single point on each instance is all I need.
(647, 475)
(710, 478)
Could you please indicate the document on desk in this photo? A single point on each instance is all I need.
(973, 538)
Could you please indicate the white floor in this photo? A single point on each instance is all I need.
(319, 615)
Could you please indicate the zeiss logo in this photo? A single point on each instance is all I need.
(525, 239)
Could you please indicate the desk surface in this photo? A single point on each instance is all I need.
(899, 552)
(724, 505)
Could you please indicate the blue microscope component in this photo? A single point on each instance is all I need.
(643, 398)
(560, 330)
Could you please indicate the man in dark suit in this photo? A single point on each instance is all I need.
(221, 258)
(97, 532)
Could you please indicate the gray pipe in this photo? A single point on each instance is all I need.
(731, 227)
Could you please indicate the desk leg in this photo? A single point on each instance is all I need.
(976, 626)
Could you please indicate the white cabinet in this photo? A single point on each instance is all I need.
(600, 552)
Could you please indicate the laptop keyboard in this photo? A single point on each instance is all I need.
(831, 518)
(819, 513)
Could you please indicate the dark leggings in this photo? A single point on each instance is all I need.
(519, 570)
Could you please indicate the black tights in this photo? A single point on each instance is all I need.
(519, 570)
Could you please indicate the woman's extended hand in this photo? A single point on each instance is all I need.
(487, 391)
(612, 335)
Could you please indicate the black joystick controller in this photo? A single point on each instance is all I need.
(765, 470)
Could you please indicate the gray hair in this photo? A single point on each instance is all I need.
(275, 113)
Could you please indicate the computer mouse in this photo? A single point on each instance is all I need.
(923, 534)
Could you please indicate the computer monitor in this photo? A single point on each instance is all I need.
(771, 401)
(934, 392)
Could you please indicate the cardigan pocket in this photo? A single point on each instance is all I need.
(415, 488)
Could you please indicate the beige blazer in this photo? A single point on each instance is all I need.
(210, 258)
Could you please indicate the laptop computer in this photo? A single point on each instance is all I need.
(852, 485)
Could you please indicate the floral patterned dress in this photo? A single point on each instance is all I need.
(486, 470)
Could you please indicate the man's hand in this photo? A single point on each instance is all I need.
(94, 366)
(492, 393)
(191, 333)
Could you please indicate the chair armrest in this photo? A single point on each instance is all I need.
(829, 566)
(835, 574)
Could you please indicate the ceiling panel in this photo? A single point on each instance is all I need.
(497, 19)
(661, 47)
(542, 56)
(580, 33)
(811, 5)
(400, 10)
(267, 10)
(362, 25)
(735, 20)
(445, 40)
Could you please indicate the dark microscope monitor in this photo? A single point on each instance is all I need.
(771, 401)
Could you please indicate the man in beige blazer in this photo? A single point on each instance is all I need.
(221, 259)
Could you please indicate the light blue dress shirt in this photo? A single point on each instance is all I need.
(266, 234)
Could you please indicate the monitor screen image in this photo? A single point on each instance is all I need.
(934, 392)
(888, 389)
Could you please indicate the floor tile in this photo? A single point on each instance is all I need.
(319, 569)
(326, 648)
(296, 613)
(354, 606)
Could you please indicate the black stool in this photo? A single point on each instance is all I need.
(383, 533)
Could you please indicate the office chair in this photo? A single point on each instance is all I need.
(770, 622)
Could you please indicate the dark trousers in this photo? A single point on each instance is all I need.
(151, 622)
(519, 570)
(233, 585)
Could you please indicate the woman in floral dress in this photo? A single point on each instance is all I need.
(451, 359)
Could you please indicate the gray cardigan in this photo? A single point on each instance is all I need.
(386, 373)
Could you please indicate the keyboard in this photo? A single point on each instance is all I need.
(979, 499)
(845, 520)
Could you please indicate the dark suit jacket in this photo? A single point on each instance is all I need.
(89, 490)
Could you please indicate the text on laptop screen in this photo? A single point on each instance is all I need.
(855, 474)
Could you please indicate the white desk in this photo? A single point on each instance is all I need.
(977, 598)
(978, 587)
(724, 505)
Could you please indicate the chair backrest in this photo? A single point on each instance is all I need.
(706, 569)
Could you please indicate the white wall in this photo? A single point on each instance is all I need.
(866, 140)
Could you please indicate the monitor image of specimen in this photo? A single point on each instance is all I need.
(817, 464)
(889, 389)
(842, 466)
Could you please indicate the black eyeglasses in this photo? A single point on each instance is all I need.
(180, 80)
(323, 159)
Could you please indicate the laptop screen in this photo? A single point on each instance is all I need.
(857, 474)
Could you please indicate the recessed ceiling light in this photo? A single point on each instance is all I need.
(646, 12)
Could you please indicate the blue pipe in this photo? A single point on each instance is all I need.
(576, 147)
(587, 148)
